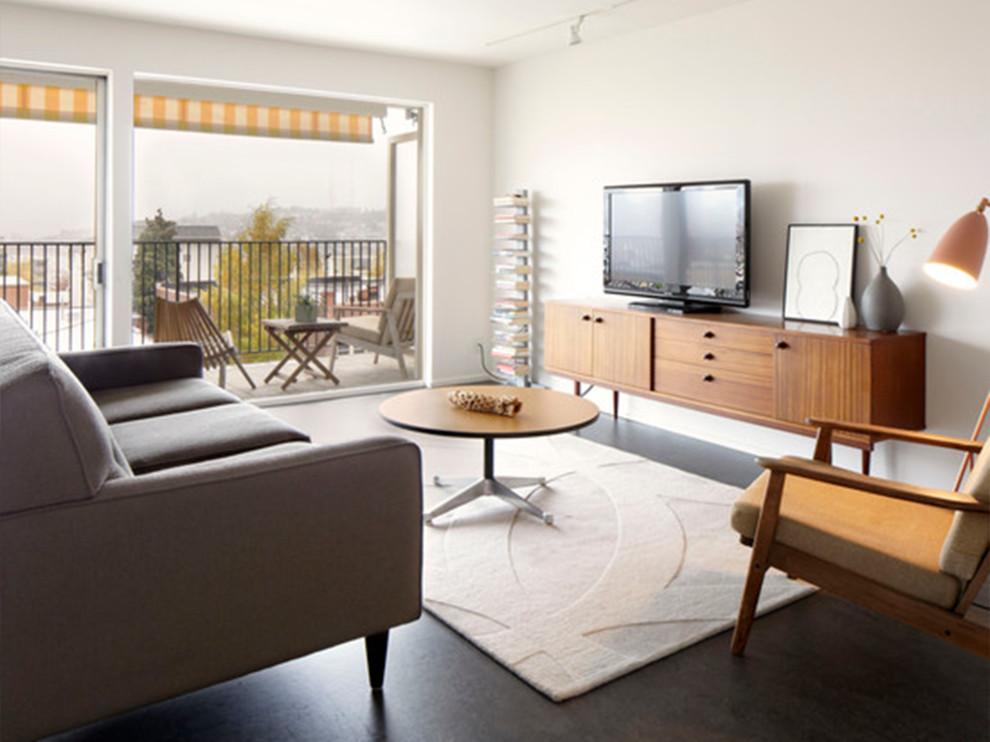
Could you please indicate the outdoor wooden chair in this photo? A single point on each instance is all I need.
(915, 554)
(387, 330)
(186, 320)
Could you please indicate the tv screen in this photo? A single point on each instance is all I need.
(684, 245)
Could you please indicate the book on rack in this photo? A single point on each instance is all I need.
(511, 321)
(513, 218)
(513, 369)
(511, 304)
(506, 285)
(511, 354)
(509, 348)
(510, 200)
(509, 256)
(505, 270)
(512, 237)
(506, 336)
(508, 317)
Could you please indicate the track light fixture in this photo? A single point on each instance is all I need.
(576, 31)
(575, 26)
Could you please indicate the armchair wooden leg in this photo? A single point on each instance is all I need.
(759, 562)
(376, 648)
(747, 607)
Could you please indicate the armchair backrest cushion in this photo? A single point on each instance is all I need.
(55, 445)
(969, 536)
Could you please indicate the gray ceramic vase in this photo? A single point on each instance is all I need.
(882, 306)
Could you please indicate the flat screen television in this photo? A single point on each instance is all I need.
(682, 246)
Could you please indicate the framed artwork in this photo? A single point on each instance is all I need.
(821, 260)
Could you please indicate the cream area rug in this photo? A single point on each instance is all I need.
(639, 563)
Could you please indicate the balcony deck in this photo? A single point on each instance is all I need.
(355, 371)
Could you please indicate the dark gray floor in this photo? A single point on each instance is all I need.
(819, 669)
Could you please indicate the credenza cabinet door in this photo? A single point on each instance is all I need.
(821, 377)
(598, 344)
(622, 350)
(568, 339)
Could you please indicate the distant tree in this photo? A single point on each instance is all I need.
(258, 277)
(156, 259)
(265, 226)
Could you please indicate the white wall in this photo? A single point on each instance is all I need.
(458, 99)
(832, 108)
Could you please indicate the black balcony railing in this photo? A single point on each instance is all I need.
(52, 285)
(240, 283)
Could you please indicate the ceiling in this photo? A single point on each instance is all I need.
(485, 32)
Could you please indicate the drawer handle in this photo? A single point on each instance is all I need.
(782, 345)
(709, 356)
(708, 377)
(585, 317)
(709, 334)
(599, 319)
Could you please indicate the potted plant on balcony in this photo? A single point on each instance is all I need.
(306, 308)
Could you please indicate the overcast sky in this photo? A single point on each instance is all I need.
(47, 175)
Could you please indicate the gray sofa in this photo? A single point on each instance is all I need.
(158, 536)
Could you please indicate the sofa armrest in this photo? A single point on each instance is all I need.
(111, 368)
(172, 581)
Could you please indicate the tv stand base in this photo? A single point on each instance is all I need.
(675, 307)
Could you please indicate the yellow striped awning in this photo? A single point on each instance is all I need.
(23, 100)
(187, 114)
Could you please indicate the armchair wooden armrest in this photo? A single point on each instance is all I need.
(824, 472)
(823, 440)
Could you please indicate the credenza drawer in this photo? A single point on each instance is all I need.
(720, 387)
(718, 334)
(717, 357)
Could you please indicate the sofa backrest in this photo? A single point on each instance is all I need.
(55, 445)
(969, 535)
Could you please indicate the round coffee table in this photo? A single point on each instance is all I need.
(543, 412)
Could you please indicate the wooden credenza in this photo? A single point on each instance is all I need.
(756, 369)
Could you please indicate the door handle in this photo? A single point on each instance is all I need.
(782, 345)
(599, 319)
(708, 377)
(709, 334)
(709, 356)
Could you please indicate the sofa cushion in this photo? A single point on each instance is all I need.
(161, 398)
(55, 445)
(196, 435)
(969, 536)
(893, 542)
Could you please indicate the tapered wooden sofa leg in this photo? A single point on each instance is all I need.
(376, 648)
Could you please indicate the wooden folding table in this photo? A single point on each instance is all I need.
(302, 341)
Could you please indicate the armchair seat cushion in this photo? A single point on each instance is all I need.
(892, 542)
(364, 327)
(160, 398)
(198, 435)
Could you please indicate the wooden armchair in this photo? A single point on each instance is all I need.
(386, 330)
(915, 554)
(186, 319)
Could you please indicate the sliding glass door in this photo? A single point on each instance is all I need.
(51, 202)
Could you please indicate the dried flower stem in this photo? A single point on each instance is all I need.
(875, 235)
